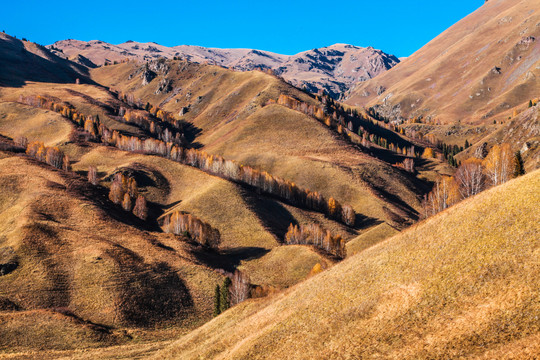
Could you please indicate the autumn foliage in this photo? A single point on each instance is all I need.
(123, 191)
(50, 155)
(472, 177)
(213, 164)
(180, 224)
(92, 175)
(315, 235)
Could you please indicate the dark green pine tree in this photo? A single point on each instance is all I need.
(147, 107)
(466, 144)
(224, 296)
(217, 301)
(530, 103)
(519, 168)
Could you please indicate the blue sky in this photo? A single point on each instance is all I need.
(396, 26)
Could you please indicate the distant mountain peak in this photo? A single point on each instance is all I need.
(334, 68)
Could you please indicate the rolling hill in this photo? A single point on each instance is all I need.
(227, 145)
(26, 61)
(461, 284)
(97, 275)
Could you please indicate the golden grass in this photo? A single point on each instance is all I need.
(215, 200)
(32, 123)
(74, 254)
(229, 109)
(284, 266)
(464, 283)
(370, 238)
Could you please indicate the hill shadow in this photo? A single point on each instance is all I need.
(229, 259)
(18, 65)
(274, 217)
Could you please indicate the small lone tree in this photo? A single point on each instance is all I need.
(116, 194)
(217, 301)
(348, 215)
(141, 209)
(224, 303)
(127, 203)
(92, 175)
(239, 290)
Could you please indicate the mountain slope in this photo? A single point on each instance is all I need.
(333, 69)
(230, 110)
(23, 61)
(75, 253)
(464, 283)
(475, 72)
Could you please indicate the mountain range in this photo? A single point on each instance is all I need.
(333, 69)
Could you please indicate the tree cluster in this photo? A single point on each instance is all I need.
(235, 289)
(472, 177)
(317, 236)
(213, 164)
(407, 165)
(124, 192)
(50, 155)
(186, 224)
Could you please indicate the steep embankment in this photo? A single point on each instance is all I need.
(463, 283)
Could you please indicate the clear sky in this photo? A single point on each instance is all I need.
(399, 27)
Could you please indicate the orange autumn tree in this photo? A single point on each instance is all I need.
(141, 209)
(445, 193)
(317, 236)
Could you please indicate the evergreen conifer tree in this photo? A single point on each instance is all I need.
(217, 301)
(224, 296)
(519, 168)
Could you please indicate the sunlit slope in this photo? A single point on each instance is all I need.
(463, 283)
(230, 110)
(250, 225)
(475, 72)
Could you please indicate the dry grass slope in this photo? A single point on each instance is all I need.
(464, 283)
(229, 110)
(76, 253)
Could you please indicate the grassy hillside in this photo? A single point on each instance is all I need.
(463, 283)
(491, 56)
(229, 110)
(24, 61)
(471, 80)
(75, 253)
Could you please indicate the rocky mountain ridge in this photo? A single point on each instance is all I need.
(334, 69)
